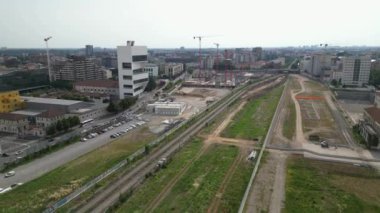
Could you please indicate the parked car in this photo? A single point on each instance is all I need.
(83, 139)
(9, 174)
(19, 152)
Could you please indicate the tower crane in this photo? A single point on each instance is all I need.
(48, 57)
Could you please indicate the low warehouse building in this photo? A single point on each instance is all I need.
(167, 108)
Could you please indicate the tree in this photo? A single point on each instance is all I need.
(334, 82)
(127, 102)
(59, 125)
(151, 84)
(65, 124)
(51, 130)
(112, 107)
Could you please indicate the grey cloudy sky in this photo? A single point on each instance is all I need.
(173, 23)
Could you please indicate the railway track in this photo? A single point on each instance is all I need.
(136, 175)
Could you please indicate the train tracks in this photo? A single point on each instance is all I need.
(101, 201)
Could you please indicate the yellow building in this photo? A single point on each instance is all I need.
(10, 101)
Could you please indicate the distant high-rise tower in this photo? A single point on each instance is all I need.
(356, 70)
(89, 50)
(131, 61)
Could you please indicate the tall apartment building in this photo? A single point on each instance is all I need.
(89, 50)
(257, 53)
(131, 61)
(356, 70)
(78, 68)
(319, 64)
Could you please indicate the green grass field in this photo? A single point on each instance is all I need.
(288, 129)
(235, 189)
(36, 195)
(253, 121)
(317, 186)
(154, 185)
(197, 187)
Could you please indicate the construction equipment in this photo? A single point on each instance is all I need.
(48, 57)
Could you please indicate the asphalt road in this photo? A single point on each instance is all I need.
(38, 167)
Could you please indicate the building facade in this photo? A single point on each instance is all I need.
(356, 70)
(152, 70)
(89, 50)
(369, 127)
(78, 68)
(131, 61)
(10, 101)
(101, 87)
(172, 70)
(13, 123)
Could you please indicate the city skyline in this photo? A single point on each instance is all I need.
(171, 24)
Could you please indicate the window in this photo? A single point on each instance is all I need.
(127, 65)
(138, 88)
(139, 58)
(138, 71)
(128, 94)
(140, 81)
(127, 86)
(127, 77)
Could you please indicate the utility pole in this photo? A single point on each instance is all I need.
(48, 57)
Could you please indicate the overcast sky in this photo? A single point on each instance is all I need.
(173, 23)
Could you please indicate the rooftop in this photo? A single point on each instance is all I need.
(51, 113)
(99, 83)
(50, 101)
(27, 112)
(12, 117)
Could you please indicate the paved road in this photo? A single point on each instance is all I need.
(38, 167)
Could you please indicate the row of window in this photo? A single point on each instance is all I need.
(140, 81)
(139, 58)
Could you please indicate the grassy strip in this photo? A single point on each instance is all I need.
(195, 190)
(288, 130)
(236, 187)
(316, 186)
(41, 153)
(35, 195)
(154, 185)
(253, 121)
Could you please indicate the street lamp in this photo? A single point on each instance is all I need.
(48, 57)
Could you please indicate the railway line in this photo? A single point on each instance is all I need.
(101, 201)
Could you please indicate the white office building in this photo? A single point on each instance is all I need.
(131, 61)
(356, 70)
(152, 70)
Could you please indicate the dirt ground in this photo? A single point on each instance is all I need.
(268, 192)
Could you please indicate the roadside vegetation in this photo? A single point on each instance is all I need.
(253, 121)
(157, 182)
(37, 194)
(318, 186)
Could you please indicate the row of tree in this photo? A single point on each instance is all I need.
(122, 105)
(63, 125)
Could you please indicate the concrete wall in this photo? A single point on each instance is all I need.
(356, 95)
